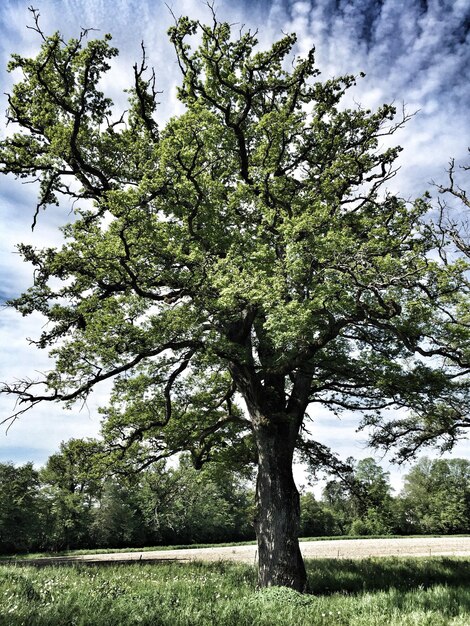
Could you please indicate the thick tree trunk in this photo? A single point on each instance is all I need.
(275, 425)
(278, 510)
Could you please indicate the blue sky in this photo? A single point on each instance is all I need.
(415, 52)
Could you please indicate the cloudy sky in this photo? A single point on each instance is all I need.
(415, 52)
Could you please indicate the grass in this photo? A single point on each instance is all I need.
(371, 592)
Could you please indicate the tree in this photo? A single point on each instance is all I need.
(315, 520)
(117, 520)
(185, 505)
(361, 501)
(72, 485)
(244, 252)
(436, 496)
(21, 508)
(373, 500)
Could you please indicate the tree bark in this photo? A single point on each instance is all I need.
(278, 509)
(275, 430)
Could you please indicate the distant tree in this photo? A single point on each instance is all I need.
(21, 508)
(72, 487)
(117, 520)
(373, 500)
(362, 503)
(315, 519)
(89, 502)
(185, 505)
(247, 249)
(436, 496)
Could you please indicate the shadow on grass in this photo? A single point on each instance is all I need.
(327, 576)
(161, 594)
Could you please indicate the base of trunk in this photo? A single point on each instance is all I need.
(282, 568)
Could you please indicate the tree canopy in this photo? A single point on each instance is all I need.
(230, 269)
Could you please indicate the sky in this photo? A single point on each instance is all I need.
(413, 52)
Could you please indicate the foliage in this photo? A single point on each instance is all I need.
(315, 519)
(419, 592)
(70, 486)
(374, 504)
(362, 503)
(184, 505)
(436, 496)
(117, 520)
(21, 508)
(66, 505)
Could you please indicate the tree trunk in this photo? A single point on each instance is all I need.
(278, 509)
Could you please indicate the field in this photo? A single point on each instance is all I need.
(342, 547)
(392, 591)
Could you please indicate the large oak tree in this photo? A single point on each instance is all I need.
(229, 269)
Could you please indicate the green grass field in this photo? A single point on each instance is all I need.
(373, 592)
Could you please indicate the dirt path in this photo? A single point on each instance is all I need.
(334, 548)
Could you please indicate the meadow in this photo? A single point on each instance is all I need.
(370, 592)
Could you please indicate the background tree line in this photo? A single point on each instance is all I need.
(70, 504)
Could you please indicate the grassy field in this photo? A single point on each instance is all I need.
(372, 592)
